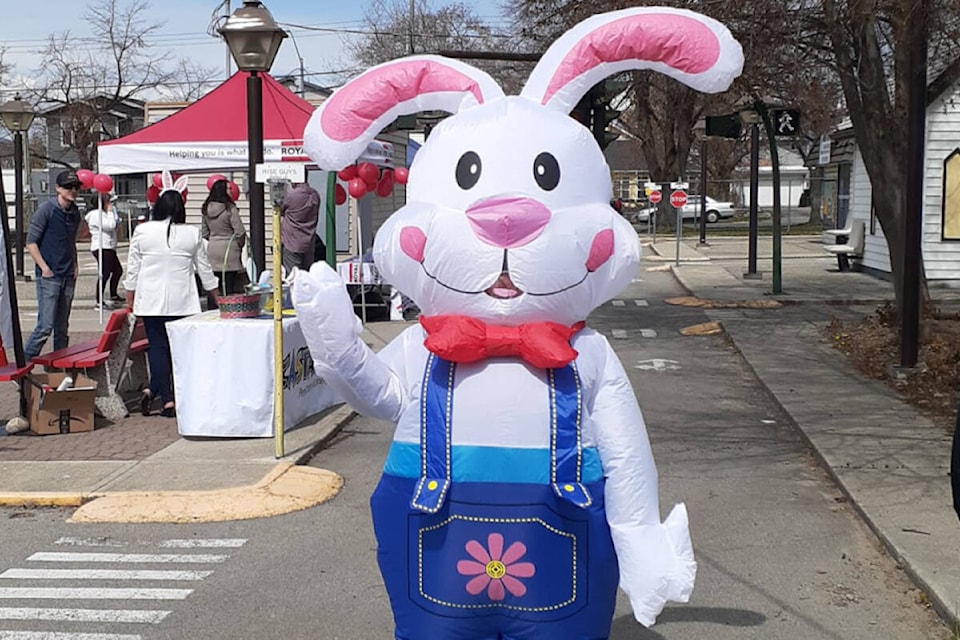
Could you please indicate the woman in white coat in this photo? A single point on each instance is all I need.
(164, 255)
(103, 223)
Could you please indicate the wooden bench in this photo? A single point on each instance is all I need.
(103, 360)
(852, 247)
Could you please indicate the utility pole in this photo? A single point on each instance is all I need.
(751, 273)
(226, 16)
(413, 7)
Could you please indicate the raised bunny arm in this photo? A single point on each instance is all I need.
(332, 332)
(656, 558)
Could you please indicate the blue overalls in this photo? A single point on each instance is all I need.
(496, 560)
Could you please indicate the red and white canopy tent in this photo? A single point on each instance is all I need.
(211, 134)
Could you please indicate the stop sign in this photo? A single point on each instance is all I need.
(655, 197)
(678, 199)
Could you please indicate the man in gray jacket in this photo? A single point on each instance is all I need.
(300, 211)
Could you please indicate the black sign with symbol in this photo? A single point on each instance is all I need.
(786, 122)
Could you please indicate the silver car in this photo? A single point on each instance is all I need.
(716, 210)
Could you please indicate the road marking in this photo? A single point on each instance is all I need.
(641, 303)
(88, 542)
(618, 303)
(655, 364)
(102, 574)
(126, 557)
(619, 334)
(58, 593)
(56, 635)
(648, 333)
(636, 280)
(138, 616)
(211, 543)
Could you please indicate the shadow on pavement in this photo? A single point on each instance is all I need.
(627, 628)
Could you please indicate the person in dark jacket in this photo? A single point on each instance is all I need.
(222, 227)
(298, 228)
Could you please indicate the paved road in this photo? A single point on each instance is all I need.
(781, 555)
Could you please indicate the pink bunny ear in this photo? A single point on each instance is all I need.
(687, 46)
(168, 183)
(341, 128)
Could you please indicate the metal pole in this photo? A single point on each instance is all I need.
(278, 444)
(255, 153)
(775, 166)
(412, 16)
(226, 14)
(11, 285)
(679, 211)
(916, 132)
(331, 220)
(703, 191)
(754, 195)
(18, 185)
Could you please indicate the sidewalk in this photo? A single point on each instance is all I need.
(892, 463)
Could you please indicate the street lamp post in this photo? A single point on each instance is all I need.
(254, 39)
(752, 117)
(701, 130)
(17, 117)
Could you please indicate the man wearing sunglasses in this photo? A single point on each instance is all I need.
(52, 243)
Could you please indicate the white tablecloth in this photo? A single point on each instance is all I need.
(223, 376)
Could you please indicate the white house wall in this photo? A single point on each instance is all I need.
(941, 259)
(875, 255)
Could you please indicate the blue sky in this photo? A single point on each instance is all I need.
(26, 29)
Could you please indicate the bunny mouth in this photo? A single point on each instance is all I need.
(503, 288)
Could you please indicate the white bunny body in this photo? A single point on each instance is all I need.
(513, 494)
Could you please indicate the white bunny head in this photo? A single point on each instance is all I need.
(507, 216)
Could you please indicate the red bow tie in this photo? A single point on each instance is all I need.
(545, 345)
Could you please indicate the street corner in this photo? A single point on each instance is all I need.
(691, 301)
(702, 329)
(287, 488)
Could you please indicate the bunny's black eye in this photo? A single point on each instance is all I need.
(468, 170)
(546, 171)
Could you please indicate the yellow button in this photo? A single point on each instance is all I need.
(432, 485)
(568, 488)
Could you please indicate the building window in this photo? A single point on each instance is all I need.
(950, 223)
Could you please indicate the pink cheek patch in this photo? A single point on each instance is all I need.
(412, 242)
(600, 250)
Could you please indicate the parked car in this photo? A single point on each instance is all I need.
(716, 210)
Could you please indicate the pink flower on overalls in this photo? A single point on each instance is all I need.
(496, 569)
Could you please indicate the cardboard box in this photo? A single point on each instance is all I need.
(69, 411)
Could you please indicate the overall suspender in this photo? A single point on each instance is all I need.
(436, 415)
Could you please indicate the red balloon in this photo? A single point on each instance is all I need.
(339, 194)
(183, 194)
(368, 172)
(153, 192)
(357, 188)
(158, 180)
(385, 186)
(234, 190)
(102, 183)
(401, 174)
(85, 176)
(214, 178)
(347, 173)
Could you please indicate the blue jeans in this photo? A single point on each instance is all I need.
(158, 356)
(54, 300)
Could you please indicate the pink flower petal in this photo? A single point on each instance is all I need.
(495, 544)
(477, 552)
(471, 568)
(478, 584)
(514, 553)
(521, 570)
(495, 592)
(514, 586)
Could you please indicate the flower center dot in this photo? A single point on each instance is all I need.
(496, 569)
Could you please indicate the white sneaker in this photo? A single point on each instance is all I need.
(106, 306)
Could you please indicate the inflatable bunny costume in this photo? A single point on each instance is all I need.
(520, 488)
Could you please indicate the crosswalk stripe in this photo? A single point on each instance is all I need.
(619, 334)
(641, 303)
(45, 593)
(618, 303)
(56, 635)
(102, 574)
(140, 616)
(43, 556)
(88, 542)
(212, 543)
(648, 333)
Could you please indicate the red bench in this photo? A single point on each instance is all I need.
(86, 354)
(11, 372)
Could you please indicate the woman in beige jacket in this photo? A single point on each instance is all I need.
(223, 229)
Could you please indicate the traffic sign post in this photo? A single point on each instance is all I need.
(678, 199)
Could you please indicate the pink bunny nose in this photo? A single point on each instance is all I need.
(508, 222)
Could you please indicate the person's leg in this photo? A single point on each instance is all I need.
(167, 396)
(48, 291)
(115, 271)
(306, 258)
(290, 259)
(61, 324)
(158, 355)
(98, 294)
(230, 281)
